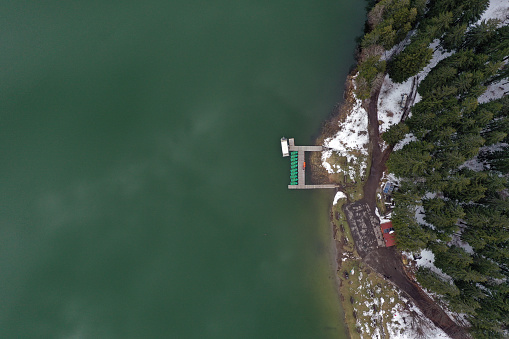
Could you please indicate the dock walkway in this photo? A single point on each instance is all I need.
(301, 170)
(307, 187)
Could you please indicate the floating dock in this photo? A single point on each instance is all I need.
(301, 174)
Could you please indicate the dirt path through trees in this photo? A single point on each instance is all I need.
(387, 261)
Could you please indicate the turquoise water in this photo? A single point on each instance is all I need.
(143, 189)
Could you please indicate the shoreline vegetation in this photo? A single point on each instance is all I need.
(445, 142)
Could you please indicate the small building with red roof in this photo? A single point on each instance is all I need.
(388, 234)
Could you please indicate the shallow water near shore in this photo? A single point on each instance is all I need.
(143, 189)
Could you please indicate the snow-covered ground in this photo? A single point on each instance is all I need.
(475, 165)
(390, 100)
(419, 216)
(428, 260)
(498, 9)
(352, 142)
(411, 323)
(456, 240)
(495, 91)
(408, 138)
(402, 318)
(389, 103)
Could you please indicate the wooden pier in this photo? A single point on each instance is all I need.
(310, 187)
(301, 170)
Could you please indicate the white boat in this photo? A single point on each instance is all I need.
(284, 147)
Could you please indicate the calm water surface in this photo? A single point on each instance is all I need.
(143, 189)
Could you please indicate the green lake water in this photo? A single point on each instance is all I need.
(143, 192)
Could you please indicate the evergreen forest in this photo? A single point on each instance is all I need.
(453, 197)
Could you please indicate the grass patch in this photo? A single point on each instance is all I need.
(353, 187)
(349, 175)
(380, 204)
(368, 300)
(344, 236)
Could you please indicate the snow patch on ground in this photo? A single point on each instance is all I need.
(385, 218)
(430, 195)
(498, 9)
(391, 94)
(408, 138)
(496, 147)
(474, 164)
(339, 195)
(419, 216)
(438, 55)
(428, 260)
(352, 142)
(399, 47)
(389, 104)
(400, 327)
(456, 240)
(495, 91)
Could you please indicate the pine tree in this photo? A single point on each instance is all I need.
(460, 305)
(469, 144)
(437, 77)
(480, 35)
(497, 47)
(498, 252)
(464, 11)
(368, 69)
(486, 267)
(496, 160)
(493, 313)
(462, 273)
(494, 137)
(456, 185)
(433, 282)
(454, 37)
(412, 160)
(443, 215)
(411, 61)
(484, 226)
(463, 82)
(473, 119)
(390, 21)
(395, 133)
(410, 236)
(420, 6)
(434, 182)
(423, 114)
(436, 26)
(469, 11)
